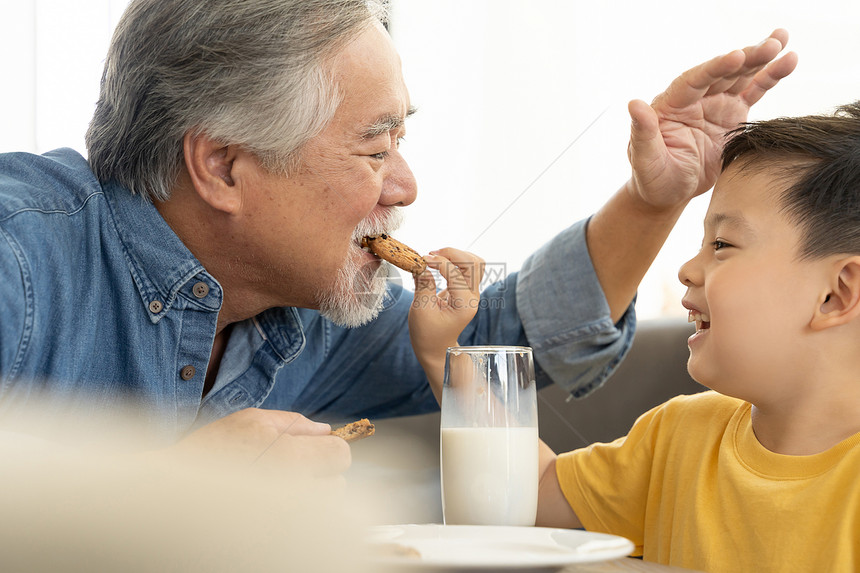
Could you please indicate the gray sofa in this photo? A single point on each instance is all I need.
(402, 459)
(653, 371)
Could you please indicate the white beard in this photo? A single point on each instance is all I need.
(356, 296)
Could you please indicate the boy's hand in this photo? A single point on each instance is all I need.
(436, 319)
(676, 142)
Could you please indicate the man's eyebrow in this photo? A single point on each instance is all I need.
(385, 124)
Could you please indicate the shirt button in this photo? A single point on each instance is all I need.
(155, 306)
(200, 289)
(187, 372)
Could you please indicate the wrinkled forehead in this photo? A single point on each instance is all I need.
(369, 78)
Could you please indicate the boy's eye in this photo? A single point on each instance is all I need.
(720, 244)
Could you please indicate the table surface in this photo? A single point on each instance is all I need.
(623, 565)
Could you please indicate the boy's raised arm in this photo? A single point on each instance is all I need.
(437, 319)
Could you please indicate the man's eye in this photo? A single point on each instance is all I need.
(383, 154)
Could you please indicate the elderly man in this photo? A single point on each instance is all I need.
(204, 262)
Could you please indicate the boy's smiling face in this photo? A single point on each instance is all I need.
(750, 294)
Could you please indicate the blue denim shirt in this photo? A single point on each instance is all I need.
(100, 302)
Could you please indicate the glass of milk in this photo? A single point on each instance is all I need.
(489, 436)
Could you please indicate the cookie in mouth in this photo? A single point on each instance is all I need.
(398, 254)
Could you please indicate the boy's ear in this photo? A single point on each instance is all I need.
(210, 167)
(841, 304)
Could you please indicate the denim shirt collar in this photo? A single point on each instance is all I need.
(282, 328)
(160, 267)
(163, 268)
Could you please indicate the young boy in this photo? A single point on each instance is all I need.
(763, 472)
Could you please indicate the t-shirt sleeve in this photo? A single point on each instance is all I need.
(607, 485)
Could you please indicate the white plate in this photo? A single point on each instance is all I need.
(477, 547)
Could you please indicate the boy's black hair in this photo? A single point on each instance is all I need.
(818, 157)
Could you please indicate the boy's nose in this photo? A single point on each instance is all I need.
(688, 275)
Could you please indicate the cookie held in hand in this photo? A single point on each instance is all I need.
(355, 430)
(395, 252)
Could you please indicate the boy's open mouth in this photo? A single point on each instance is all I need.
(703, 321)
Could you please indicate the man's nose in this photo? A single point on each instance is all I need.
(399, 186)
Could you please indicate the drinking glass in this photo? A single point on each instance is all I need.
(489, 436)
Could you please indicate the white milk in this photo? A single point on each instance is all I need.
(489, 476)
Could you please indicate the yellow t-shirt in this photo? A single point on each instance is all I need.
(691, 486)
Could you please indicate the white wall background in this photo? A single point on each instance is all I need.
(53, 51)
(523, 124)
(506, 86)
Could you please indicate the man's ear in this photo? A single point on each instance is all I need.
(210, 167)
(841, 303)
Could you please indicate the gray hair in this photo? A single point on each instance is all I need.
(244, 72)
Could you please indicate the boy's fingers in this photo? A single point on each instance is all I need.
(451, 272)
(425, 283)
(470, 269)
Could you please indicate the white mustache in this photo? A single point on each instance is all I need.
(377, 224)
